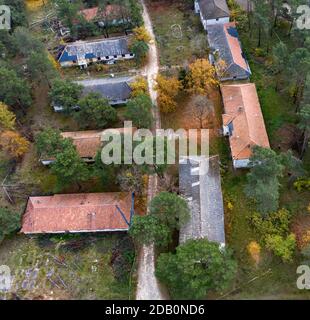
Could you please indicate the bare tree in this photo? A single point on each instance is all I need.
(201, 109)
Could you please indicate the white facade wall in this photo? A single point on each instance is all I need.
(218, 21)
(239, 164)
(208, 22)
(226, 131)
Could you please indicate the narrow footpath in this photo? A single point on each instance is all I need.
(148, 287)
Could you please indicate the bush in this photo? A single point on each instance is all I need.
(198, 267)
(282, 247)
(9, 222)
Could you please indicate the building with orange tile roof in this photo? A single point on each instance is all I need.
(243, 122)
(88, 143)
(75, 213)
(225, 48)
(111, 13)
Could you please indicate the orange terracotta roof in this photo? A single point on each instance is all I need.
(88, 143)
(77, 213)
(242, 107)
(91, 13)
(235, 46)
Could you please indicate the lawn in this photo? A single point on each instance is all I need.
(177, 29)
(70, 267)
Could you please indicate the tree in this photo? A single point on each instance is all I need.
(141, 34)
(171, 209)
(201, 110)
(25, 43)
(168, 89)
(277, 223)
(136, 12)
(282, 247)
(13, 90)
(140, 49)
(130, 179)
(49, 143)
(138, 87)
(13, 143)
(67, 12)
(9, 222)
(69, 167)
(7, 118)
(304, 125)
(149, 229)
(261, 14)
(263, 179)
(139, 111)
(198, 267)
(95, 112)
(66, 94)
(201, 76)
(280, 58)
(299, 68)
(40, 67)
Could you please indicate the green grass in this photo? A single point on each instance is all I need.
(81, 267)
(175, 28)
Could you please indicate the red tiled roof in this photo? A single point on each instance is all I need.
(91, 13)
(90, 212)
(243, 110)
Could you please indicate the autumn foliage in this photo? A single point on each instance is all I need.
(138, 87)
(201, 77)
(254, 250)
(168, 89)
(13, 143)
(141, 34)
(7, 118)
(10, 140)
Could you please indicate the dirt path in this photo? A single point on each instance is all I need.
(148, 287)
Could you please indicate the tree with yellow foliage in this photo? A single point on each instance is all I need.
(201, 77)
(33, 5)
(138, 87)
(168, 89)
(254, 250)
(13, 143)
(141, 34)
(7, 118)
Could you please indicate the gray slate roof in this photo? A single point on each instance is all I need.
(213, 9)
(110, 88)
(218, 42)
(93, 49)
(204, 195)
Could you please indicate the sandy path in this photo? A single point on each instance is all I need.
(148, 287)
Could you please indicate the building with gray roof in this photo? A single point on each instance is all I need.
(82, 53)
(116, 90)
(212, 11)
(225, 46)
(200, 185)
